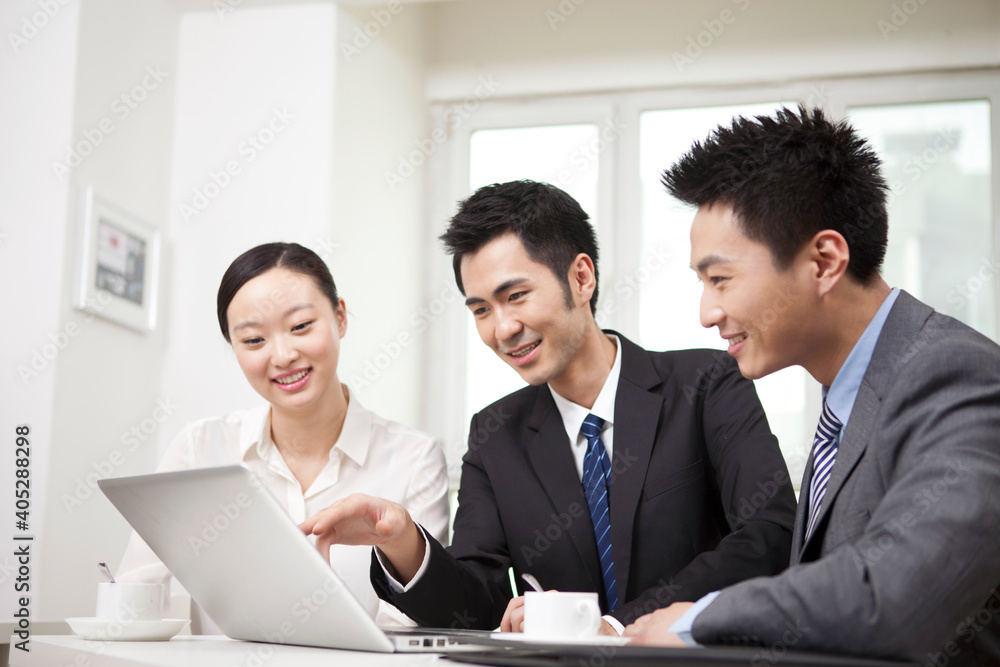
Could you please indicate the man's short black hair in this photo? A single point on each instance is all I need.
(788, 177)
(551, 225)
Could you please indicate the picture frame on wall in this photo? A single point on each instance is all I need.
(118, 258)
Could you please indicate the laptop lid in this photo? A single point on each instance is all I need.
(239, 555)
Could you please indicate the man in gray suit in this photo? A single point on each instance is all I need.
(896, 546)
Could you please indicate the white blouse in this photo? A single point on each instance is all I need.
(373, 455)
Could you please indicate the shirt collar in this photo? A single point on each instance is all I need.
(573, 414)
(356, 432)
(255, 430)
(841, 394)
(255, 433)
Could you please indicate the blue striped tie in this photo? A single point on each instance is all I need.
(596, 469)
(824, 454)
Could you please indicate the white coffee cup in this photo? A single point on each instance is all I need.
(129, 602)
(559, 615)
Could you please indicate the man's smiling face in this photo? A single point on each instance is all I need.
(763, 312)
(522, 310)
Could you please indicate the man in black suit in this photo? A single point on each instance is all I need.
(668, 454)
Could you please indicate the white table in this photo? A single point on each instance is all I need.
(198, 651)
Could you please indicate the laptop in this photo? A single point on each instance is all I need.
(236, 551)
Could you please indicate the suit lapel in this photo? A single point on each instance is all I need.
(849, 452)
(802, 512)
(637, 414)
(549, 452)
(905, 320)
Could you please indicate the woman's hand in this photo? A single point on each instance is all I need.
(364, 520)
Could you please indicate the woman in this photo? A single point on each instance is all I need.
(312, 442)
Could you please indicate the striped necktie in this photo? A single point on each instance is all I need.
(596, 469)
(824, 454)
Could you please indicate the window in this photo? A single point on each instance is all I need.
(936, 136)
(564, 155)
(669, 296)
(941, 234)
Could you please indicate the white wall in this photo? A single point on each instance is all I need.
(35, 127)
(107, 378)
(558, 46)
(379, 223)
(320, 182)
(261, 75)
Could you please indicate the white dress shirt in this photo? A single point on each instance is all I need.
(604, 407)
(572, 415)
(373, 455)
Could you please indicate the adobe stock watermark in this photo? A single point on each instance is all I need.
(792, 635)
(561, 13)
(600, 656)
(664, 593)
(301, 611)
(966, 631)
(983, 276)
(326, 247)
(363, 36)
(784, 299)
(224, 7)
(391, 350)
(714, 28)
(898, 17)
(32, 25)
(486, 423)
(584, 155)
(429, 488)
(627, 287)
(818, 96)
(766, 491)
(917, 165)
(621, 461)
(278, 296)
(247, 151)
(873, 549)
(121, 108)
(227, 514)
(130, 440)
(914, 168)
(41, 357)
(453, 116)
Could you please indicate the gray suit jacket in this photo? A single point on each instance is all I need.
(905, 560)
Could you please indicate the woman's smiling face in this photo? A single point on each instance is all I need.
(286, 335)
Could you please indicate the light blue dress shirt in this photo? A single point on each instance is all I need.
(840, 398)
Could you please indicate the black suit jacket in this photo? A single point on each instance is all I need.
(699, 496)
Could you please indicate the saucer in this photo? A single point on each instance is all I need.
(595, 640)
(126, 631)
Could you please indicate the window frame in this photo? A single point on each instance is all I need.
(619, 197)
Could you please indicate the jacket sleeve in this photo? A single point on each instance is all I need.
(926, 555)
(756, 497)
(465, 586)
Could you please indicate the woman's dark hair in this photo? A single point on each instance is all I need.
(269, 256)
(788, 177)
(551, 225)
